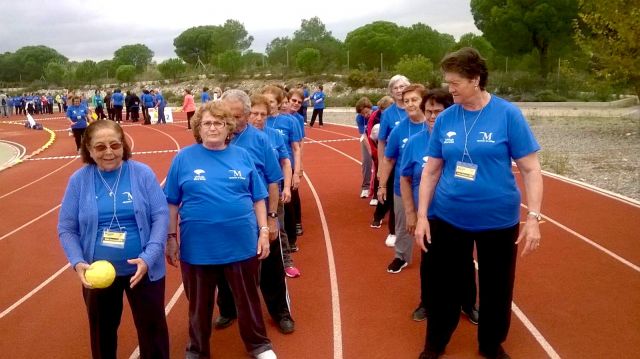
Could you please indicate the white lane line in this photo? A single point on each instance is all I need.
(76, 156)
(30, 222)
(535, 332)
(333, 276)
(167, 309)
(39, 179)
(592, 243)
(328, 141)
(34, 291)
(334, 149)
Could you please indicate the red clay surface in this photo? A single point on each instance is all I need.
(583, 302)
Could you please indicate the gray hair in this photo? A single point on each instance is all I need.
(398, 78)
(238, 95)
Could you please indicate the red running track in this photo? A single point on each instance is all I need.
(577, 297)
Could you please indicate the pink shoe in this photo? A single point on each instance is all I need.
(292, 272)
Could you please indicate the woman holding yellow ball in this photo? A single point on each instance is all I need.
(114, 210)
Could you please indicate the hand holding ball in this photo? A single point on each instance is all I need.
(100, 274)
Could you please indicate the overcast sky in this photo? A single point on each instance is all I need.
(90, 29)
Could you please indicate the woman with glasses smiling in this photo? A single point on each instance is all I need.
(219, 195)
(114, 209)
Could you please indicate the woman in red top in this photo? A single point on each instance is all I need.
(188, 106)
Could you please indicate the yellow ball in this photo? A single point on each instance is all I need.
(100, 274)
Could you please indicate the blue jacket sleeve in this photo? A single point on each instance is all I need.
(68, 225)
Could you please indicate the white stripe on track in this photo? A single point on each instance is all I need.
(39, 179)
(30, 222)
(34, 291)
(333, 276)
(334, 149)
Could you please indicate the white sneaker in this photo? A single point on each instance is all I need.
(390, 241)
(373, 202)
(269, 354)
(364, 193)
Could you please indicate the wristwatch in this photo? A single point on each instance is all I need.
(535, 215)
(272, 214)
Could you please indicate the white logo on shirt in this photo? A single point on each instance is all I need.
(129, 197)
(425, 159)
(397, 123)
(235, 174)
(280, 131)
(486, 137)
(199, 175)
(404, 142)
(450, 138)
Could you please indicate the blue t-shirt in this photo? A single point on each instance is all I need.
(147, 100)
(215, 191)
(300, 122)
(160, 100)
(288, 129)
(361, 121)
(497, 134)
(396, 144)
(389, 119)
(78, 114)
(305, 92)
(117, 99)
(413, 161)
(125, 217)
(205, 97)
(318, 100)
(257, 144)
(277, 143)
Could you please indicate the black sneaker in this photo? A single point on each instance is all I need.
(286, 326)
(299, 230)
(419, 314)
(376, 223)
(396, 265)
(496, 354)
(223, 322)
(472, 314)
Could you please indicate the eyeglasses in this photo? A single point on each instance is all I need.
(114, 146)
(258, 114)
(295, 100)
(430, 113)
(216, 124)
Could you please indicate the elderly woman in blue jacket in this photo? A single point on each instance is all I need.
(114, 209)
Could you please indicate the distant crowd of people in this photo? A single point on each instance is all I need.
(31, 103)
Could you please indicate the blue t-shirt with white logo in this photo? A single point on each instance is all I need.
(318, 100)
(126, 220)
(389, 119)
(215, 191)
(497, 134)
(277, 143)
(396, 144)
(78, 115)
(257, 144)
(413, 161)
(288, 129)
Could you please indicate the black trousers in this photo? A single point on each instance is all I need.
(450, 250)
(317, 112)
(272, 285)
(297, 206)
(382, 208)
(145, 115)
(189, 116)
(200, 282)
(77, 136)
(118, 112)
(104, 307)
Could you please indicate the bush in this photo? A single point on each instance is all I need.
(172, 68)
(418, 69)
(125, 73)
(349, 100)
(549, 96)
(358, 78)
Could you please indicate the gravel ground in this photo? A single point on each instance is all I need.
(601, 151)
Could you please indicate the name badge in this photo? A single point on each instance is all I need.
(466, 171)
(114, 239)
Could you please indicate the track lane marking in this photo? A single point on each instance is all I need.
(30, 222)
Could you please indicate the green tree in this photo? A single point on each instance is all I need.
(30, 61)
(479, 43)
(308, 60)
(252, 60)
(608, 32)
(420, 39)
(205, 43)
(105, 69)
(87, 71)
(366, 43)
(54, 73)
(138, 55)
(125, 73)
(172, 68)
(277, 50)
(230, 62)
(516, 27)
(418, 69)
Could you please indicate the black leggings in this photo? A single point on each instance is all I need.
(316, 112)
(77, 135)
(118, 112)
(189, 115)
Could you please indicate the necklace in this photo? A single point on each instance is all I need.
(115, 185)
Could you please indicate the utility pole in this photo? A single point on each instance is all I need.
(347, 60)
(287, 57)
(381, 62)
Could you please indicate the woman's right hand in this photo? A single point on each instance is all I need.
(172, 251)
(422, 230)
(80, 268)
(382, 194)
(285, 197)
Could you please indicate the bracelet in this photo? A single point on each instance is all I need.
(172, 235)
(264, 228)
(382, 187)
